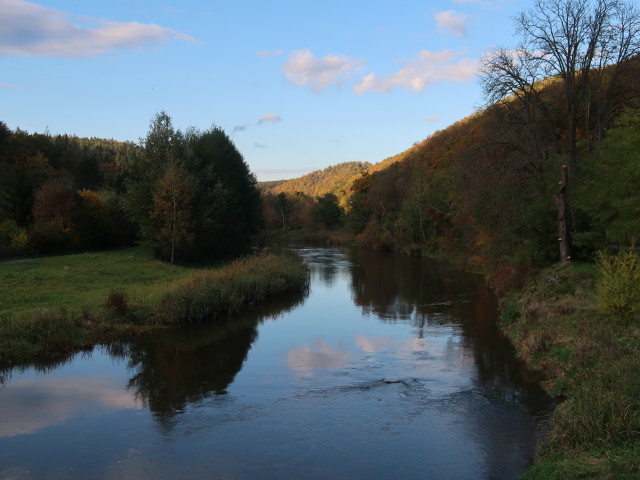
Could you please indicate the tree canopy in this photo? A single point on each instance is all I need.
(191, 194)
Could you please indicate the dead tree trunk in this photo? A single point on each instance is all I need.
(560, 199)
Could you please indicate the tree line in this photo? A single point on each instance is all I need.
(550, 160)
(187, 195)
(490, 188)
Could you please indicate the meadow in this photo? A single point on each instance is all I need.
(53, 306)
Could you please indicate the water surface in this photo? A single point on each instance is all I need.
(390, 367)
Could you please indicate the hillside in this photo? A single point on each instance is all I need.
(336, 179)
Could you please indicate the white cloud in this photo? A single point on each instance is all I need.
(270, 117)
(422, 72)
(305, 70)
(452, 23)
(9, 85)
(28, 29)
(432, 118)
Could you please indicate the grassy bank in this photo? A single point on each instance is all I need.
(589, 355)
(53, 306)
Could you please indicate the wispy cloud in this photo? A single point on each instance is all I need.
(239, 128)
(306, 70)
(269, 53)
(270, 117)
(28, 29)
(432, 118)
(9, 85)
(452, 23)
(259, 145)
(423, 72)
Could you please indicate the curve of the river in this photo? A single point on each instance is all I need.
(390, 367)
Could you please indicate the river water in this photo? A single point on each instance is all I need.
(390, 367)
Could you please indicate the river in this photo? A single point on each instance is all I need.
(389, 367)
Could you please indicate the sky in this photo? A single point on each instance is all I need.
(298, 86)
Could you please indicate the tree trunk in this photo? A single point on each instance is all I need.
(560, 199)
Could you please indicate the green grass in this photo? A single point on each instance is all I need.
(51, 307)
(84, 280)
(591, 362)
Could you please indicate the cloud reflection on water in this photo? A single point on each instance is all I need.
(318, 356)
(52, 401)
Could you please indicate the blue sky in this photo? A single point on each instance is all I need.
(298, 86)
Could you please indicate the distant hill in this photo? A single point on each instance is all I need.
(336, 179)
(269, 184)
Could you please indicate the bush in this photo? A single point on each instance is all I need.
(118, 304)
(618, 285)
(237, 286)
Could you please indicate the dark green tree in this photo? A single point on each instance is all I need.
(227, 203)
(192, 195)
(327, 211)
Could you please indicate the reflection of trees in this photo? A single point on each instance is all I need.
(428, 293)
(401, 288)
(42, 365)
(425, 294)
(182, 366)
(327, 272)
(326, 264)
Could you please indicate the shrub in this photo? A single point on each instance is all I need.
(19, 239)
(618, 285)
(237, 286)
(118, 304)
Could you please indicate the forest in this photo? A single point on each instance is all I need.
(545, 171)
(537, 189)
(489, 191)
(186, 195)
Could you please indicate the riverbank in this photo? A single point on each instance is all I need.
(51, 307)
(590, 361)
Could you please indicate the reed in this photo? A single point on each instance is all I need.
(135, 296)
(210, 295)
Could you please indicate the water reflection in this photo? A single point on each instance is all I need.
(432, 294)
(318, 356)
(302, 397)
(52, 401)
(176, 368)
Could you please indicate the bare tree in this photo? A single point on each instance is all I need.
(619, 43)
(510, 80)
(576, 40)
(587, 44)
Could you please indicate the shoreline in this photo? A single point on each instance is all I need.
(180, 295)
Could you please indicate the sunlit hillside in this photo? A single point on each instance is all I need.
(336, 179)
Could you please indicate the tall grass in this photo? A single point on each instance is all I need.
(618, 284)
(208, 295)
(121, 293)
(590, 361)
